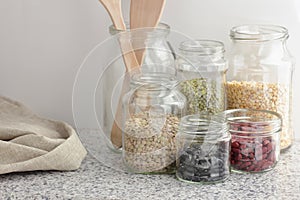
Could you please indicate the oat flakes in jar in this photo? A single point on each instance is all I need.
(260, 73)
(153, 108)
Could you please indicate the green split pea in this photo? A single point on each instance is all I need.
(203, 95)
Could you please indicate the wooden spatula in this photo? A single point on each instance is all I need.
(145, 13)
(114, 10)
(113, 7)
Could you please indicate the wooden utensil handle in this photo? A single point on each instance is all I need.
(131, 64)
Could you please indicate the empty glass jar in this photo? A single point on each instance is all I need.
(203, 149)
(201, 69)
(151, 45)
(153, 108)
(260, 73)
(255, 143)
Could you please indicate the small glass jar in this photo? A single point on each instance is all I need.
(201, 68)
(203, 149)
(260, 73)
(153, 108)
(255, 143)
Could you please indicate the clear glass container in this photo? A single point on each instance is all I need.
(203, 149)
(152, 43)
(201, 68)
(260, 73)
(114, 81)
(255, 143)
(152, 110)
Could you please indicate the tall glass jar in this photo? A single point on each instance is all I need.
(203, 149)
(114, 82)
(152, 44)
(255, 143)
(201, 69)
(153, 108)
(260, 73)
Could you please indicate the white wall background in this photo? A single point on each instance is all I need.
(42, 43)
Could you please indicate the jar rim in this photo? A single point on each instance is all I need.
(154, 80)
(162, 29)
(208, 126)
(258, 32)
(265, 122)
(202, 46)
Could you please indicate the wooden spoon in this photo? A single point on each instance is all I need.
(113, 7)
(145, 13)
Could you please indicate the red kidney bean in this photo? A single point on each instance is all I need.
(235, 145)
(252, 154)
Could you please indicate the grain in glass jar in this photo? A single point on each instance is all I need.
(153, 108)
(201, 69)
(260, 73)
(203, 149)
(255, 143)
(152, 43)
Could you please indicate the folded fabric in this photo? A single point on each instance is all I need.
(29, 142)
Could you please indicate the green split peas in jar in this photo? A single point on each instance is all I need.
(201, 70)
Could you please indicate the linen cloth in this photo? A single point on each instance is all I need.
(29, 142)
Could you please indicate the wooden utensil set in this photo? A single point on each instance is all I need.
(143, 14)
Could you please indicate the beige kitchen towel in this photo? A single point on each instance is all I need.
(29, 142)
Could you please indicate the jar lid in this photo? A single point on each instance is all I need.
(258, 32)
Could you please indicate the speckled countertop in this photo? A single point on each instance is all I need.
(96, 180)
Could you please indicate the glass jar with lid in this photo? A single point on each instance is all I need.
(203, 149)
(255, 143)
(201, 68)
(260, 73)
(152, 110)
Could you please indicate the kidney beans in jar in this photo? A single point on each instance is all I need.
(255, 143)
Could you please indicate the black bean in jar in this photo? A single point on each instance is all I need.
(204, 162)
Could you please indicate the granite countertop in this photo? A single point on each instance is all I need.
(98, 180)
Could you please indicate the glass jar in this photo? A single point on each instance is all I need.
(114, 81)
(255, 143)
(260, 73)
(203, 149)
(153, 108)
(201, 68)
(152, 44)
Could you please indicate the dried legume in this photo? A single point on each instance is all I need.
(262, 96)
(207, 162)
(203, 95)
(252, 154)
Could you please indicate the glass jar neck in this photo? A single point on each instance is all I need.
(202, 55)
(247, 122)
(202, 49)
(204, 126)
(151, 33)
(153, 83)
(259, 34)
